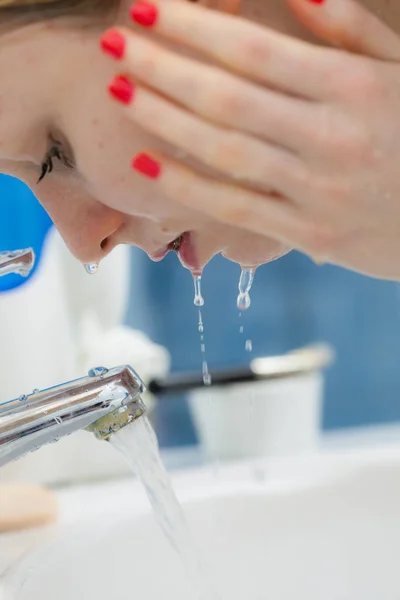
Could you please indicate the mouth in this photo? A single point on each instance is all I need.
(184, 246)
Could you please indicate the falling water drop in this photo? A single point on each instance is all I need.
(249, 346)
(245, 283)
(200, 326)
(198, 298)
(92, 268)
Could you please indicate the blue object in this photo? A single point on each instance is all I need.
(24, 223)
(294, 303)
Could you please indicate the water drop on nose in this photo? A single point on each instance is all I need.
(245, 283)
(97, 372)
(198, 298)
(91, 268)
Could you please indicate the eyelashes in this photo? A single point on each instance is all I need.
(55, 152)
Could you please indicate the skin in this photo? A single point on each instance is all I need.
(102, 202)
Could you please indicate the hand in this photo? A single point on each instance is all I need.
(319, 126)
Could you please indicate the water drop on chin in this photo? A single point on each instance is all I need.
(244, 286)
(198, 298)
(91, 268)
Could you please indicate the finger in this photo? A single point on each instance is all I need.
(258, 53)
(218, 96)
(264, 214)
(350, 25)
(241, 157)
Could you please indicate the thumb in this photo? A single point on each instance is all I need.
(347, 24)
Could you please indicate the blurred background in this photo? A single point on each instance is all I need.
(294, 303)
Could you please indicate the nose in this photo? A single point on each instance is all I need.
(87, 226)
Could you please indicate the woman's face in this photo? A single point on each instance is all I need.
(53, 100)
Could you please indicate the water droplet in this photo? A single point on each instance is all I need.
(241, 328)
(201, 326)
(203, 347)
(36, 391)
(91, 269)
(97, 372)
(206, 374)
(22, 397)
(198, 298)
(58, 420)
(245, 282)
(248, 346)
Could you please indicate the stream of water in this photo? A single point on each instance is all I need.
(138, 444)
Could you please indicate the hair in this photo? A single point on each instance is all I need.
(25, 12)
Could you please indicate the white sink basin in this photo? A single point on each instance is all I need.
(326, 529)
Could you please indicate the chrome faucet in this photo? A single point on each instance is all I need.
(17, 261)
(103, 402)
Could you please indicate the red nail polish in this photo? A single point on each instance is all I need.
(112, 42)
(122, 89)
(144, 13)
(146, 165)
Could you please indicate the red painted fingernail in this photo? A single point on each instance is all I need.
(146, 165)
(122, 89)
(113, 43)
(144, 13)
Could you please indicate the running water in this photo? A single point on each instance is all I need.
(199, 301)
(138, 444)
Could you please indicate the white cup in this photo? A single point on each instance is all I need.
(275, 416)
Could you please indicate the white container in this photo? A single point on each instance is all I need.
(277, 415)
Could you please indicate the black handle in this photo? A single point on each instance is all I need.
(184, 382)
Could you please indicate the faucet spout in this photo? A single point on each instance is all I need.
(102, 402)
(17, 261)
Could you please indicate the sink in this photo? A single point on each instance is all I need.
(322, 528)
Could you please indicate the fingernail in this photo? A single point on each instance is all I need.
(144, 13)
(113, 43)
(146, 165)
(122, 89)
(316, 1)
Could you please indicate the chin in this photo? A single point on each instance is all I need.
(254, 256)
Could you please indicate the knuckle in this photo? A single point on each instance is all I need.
(226, 103)
(361, 82)
(347, 138)
(254, 50)
(228, 153)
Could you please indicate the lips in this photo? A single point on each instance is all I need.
(187, 253)
(184, 247)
